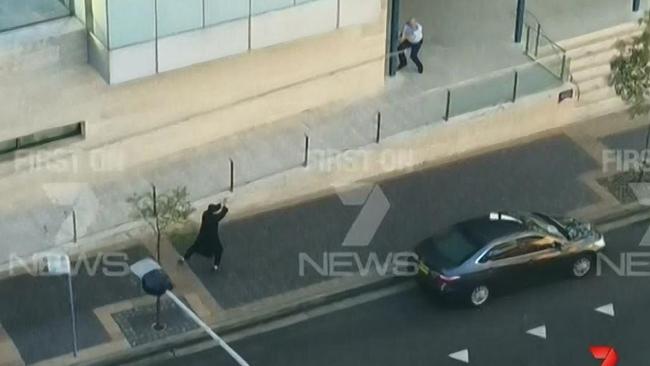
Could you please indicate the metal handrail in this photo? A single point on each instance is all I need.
(541, 34)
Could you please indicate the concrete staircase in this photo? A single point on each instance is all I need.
(590, 57)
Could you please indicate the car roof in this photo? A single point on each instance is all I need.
(488, 228)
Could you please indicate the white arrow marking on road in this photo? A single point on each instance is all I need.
(462, 356)
(538, 332)
(607, 310)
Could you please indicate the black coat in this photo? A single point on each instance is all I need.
(207, 241)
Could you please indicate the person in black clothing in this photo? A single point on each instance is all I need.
(207, 242)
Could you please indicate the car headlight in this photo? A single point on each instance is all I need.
(600, 243)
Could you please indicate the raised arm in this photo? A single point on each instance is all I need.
(221, 214)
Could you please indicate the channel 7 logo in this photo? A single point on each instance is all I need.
(605, 353)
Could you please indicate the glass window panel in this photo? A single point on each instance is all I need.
(175, 16)
(130, 22)
(18, 13)
(262, 6)
(99, 20)
(219, 11)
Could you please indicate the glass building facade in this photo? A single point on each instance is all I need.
(19, 13)
(121, 23)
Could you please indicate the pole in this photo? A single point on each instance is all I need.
(74, 225)
(448, 107)
(519, 21)
(306, 161)
(232, 176)
(539, 34)
(527, 40)
(514, 87)
(155, 214)
(394, 36)
(75, 349)
(378, 137)
(207, 329)
(157, 325)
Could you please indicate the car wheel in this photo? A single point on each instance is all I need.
(581, 266)
(479, 295)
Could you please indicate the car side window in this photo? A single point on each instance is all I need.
(503, 251)
(532, 244)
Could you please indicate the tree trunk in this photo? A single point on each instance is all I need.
(155, 214)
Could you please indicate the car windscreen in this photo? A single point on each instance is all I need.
(549, 220)
(449, 249)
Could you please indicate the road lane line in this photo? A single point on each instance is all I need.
(607, 310)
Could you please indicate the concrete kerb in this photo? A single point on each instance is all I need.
(195, 337)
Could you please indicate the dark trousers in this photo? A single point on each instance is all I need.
(218, 252)
(415, 49)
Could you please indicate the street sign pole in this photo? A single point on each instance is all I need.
(59, 264)
(156, 282)
(207, 329)
(73, 314)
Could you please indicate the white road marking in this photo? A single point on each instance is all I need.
(538, 332)
(462, 356)
(607, 310)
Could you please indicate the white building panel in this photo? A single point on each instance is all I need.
(202, 45)
(355, 12)
(308, 19)
(132, 62)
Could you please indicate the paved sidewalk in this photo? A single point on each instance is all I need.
(100, 203)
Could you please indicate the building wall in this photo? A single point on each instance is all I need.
(172, 111)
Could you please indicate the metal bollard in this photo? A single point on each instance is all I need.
(232, 176)
(306, 161)
(378, 137)
(74, 225)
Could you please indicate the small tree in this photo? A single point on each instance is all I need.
(161, 212)
(630, 77)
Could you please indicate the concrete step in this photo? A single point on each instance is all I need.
(593, 59)
(591, 73)
(57, 43)
(593, 84)
(601, 108)
(618, 31)
(596, 95)
(599, 46)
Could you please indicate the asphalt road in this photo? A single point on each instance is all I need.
(412, 328)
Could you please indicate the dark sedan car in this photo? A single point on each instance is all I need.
(470, 259)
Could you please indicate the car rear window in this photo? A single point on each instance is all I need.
(453, 248)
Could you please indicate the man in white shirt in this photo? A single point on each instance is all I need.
(412, 38)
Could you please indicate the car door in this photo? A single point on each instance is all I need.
(504, 264)
(542, 254)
